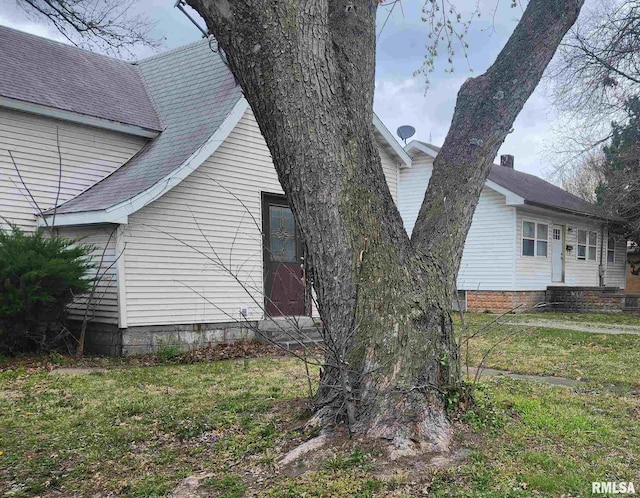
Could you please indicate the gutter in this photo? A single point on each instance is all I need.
(76, 117)
(571, 211)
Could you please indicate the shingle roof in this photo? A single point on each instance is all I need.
(537, 191)
(193, 92)
(49, 73)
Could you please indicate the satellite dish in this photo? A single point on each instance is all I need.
(405, 132)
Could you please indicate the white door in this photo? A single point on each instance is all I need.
(557, 257)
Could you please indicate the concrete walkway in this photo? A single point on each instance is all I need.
(551, 381)
(77, 370)
(590, 327)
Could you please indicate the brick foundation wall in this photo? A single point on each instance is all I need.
(585, 299)
(503, 301)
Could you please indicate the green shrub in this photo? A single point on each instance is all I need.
(168, 353)
(39, 277)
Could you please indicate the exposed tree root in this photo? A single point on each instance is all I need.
(312, 445)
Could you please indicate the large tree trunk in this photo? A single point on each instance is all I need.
(307, 69)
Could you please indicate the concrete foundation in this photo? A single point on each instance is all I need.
(106, 339)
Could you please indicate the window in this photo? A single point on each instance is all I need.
(283, 234)
(587, 245)
(535, 239)
(611, 250)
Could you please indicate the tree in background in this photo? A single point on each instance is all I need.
(586, 177)
(110, 26)
(619, 192)
(610, 177)
(595, 73)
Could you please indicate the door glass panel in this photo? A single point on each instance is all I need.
(556, 234)
(283, 234)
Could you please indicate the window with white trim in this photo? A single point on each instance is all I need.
(611, 250)
(587, 245)
(535, 239)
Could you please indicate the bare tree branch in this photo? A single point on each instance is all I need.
(109, 26)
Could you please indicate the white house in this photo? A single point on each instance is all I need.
(526, 236)
(160, 164)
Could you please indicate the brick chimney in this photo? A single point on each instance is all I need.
(507, 160)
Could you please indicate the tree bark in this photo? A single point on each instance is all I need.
(307, 69)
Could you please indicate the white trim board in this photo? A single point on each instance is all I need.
(121, 278)
(512, 199)
(75, 117)
(422, 147)
(391, 141)
(120, 212)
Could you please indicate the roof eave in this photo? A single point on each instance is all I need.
(75, 117)
(573, 212)
(388, 138)
(420, 146)
(119, 213)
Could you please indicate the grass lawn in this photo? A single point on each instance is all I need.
(139, 431)
(595, 319)
(597, 358)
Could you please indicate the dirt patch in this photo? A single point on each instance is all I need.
(31, 364)
(11, 395)
(341, 451)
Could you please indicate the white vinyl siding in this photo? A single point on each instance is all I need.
(493, 257)
(195, 254)
(535, 273)
(88, 155)
(489, 252)
(390, 169)
(616, 271)
(103, 307)
(413, 185)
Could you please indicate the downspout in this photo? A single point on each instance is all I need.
(601, 269)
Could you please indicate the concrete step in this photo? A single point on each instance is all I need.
(305, 335)
(292, 346)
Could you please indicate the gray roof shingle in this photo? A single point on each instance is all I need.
(49, 73)
(193, 92)
(536, 191)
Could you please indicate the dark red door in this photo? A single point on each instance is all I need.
(283, 260)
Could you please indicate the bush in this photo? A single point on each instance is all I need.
(39, 277)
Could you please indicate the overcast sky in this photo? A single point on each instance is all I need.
(400, 96)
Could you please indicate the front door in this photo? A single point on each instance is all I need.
(557, 254)
(283, 259)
